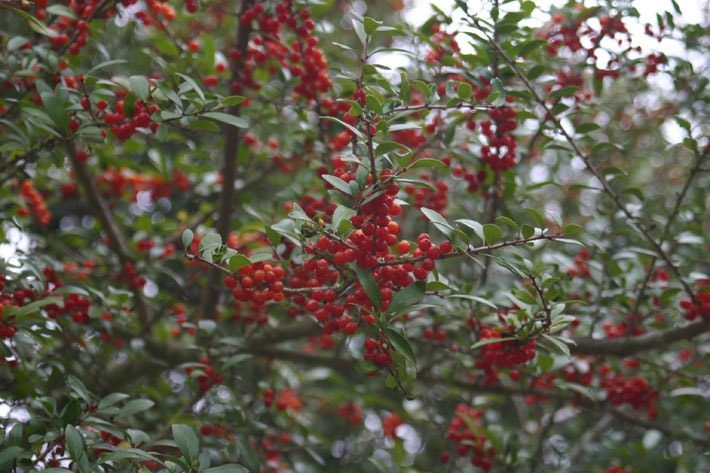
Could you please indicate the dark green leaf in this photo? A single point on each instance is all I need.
(187, 441)
(369, 285)
(139, 86)
(338, 183)
(228, 119)
(406, 298)
(401, 344)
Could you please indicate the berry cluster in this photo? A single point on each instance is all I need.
(631, 326)
(436, 198)
(7, 324)
(258, 283)
(208, 376)
(499, 153)
(74, 305)
(36, 203)
(580, 35)
(699, 307)
(214, 430)
(301, 57)
(434, 334)
(125, 123)
(634, 391)
(377, 352)
(501, 355)
(581, 269)
(443, 43)
(131, 276)
(390, 424)
(352, 413)
(116, 182)
(467, 441)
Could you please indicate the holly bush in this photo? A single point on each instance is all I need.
(289, 235)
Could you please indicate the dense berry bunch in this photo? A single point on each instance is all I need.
(258, 283)
(124, 123)
(634, 391)
(502, 355)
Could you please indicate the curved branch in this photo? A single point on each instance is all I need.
(630, 345)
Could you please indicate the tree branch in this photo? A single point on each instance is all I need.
(229, 169)
(109, 225)
(630, 345)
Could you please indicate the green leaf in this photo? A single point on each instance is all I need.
(35, 24)
(210, 242)
(238, 262)
(572, 229)
(464, 91)
(76, 447)
(352, 129)
(492, 233)
(247, 454)
(341, 214)
(537, 217)
(429, 163)
(8, 455)
(507, 222)
(527, 231)
(231, 468)
(55, 106)
(78, 387)
(474, 298)
(488, 341)
(558, 343)
(140, 86)
(544, 361)
(61, 10)
(338, 183)
(112, 399)
(35, 306)
(497, 96)
(564, 92)
(401, 344)
(587, 128)
(187, 237)
(370, 287)
(359, 28)
(406, 298)
(389, 146)
(438, 220)
(530, 46)
(193, 85)
(370, 25)
(135, 406)
(129, 454)
(228, 119)
(187, 441)
(473, 225)
(233, 100)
